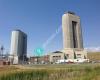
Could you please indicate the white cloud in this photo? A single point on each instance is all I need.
(93, 49)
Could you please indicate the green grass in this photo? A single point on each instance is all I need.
(53, 72)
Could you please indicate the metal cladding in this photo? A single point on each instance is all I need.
(18, 44)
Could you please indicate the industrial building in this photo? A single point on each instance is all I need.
(72, 43)
(39, 59)
(72, 39)
(18, 52)
(72, 32)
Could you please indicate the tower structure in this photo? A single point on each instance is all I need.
(72, 32)
(18, 46)
(72, 36)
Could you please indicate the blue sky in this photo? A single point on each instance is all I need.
(41, 18)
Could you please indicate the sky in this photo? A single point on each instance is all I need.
(40, 20)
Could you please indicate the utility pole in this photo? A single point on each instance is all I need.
(23, 59)
(2, 49)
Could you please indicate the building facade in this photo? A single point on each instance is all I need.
(72, 36)
(57, 55)
(72, 39)
(72, 32)
(39, 59)
(18, 46)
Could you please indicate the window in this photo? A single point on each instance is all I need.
(74, 32)
(78, 55)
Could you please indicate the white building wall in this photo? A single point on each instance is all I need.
(18, 45)
(14, 43)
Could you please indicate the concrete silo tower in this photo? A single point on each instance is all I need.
(72, 32)
(72, 36)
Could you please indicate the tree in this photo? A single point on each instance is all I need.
(75, 56)
(65, 57)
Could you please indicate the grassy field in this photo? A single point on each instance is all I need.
(94, 55)
(51, 72)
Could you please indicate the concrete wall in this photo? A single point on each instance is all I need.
(68, 31)
(51, 55)
(75, 52)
